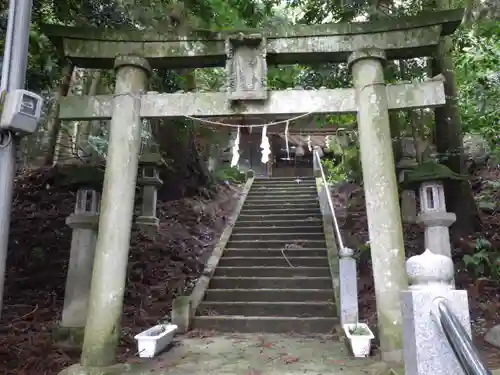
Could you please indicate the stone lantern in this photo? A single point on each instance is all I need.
(434, 218)
(149, 180)
(84, 222)
(407, 162)
(428, 178)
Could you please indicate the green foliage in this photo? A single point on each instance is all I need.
(346, 164)
(363, 254)
(477, 58)
(484, 262)
(230, 174)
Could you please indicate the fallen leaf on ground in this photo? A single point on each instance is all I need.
(290, 359)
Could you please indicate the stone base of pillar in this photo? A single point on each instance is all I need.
(118, 369)
(181, 313)
(70, 338)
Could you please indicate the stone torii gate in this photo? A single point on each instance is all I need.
(365, 46)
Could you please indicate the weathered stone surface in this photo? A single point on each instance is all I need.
(493, 336)
(382, 199)
(181, 313)
(348, 275)
(84, 222)
(476, 148)
(408, 206)
(402, 37)
(118, 369)
(330, 239)
(102, 328)
(427, 350)
(289, 102)
(246, 67)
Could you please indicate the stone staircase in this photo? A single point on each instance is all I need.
(273, 275)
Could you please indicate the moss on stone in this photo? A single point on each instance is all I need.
(206, 48)
(450, 18)
(428, 171)
(392, 335)
(118, 369)
(68, 336)
(84, 176)
(152, 158)
(181, 302)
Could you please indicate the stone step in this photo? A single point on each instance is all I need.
(269, 295)
(294, 182)
(273, 253)
(308, 216)
(283, 189)
(268, 204)
(314, 222)
(285, 271)
(264, 191)
(292, 198)
(270, 282)
(267, 324)
(284, 178)
(280, 211)
(294, 309)
(276, 244)
(233, 261)
(284, 237)
(265, 228)
(280, 195)
(285, 185)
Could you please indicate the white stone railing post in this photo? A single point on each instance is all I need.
(348, 276)
(84, 222)
(316, 165)
(426, 348)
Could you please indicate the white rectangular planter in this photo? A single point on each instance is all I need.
(360, 344)
(153, 340)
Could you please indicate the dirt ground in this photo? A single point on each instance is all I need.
(258, 355)
(159, 269)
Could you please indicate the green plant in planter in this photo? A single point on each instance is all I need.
(158, 331)
(359, 330)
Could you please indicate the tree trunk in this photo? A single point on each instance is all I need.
(188, 173)
(448, 138)
(66, 150)
(54, 123)
(87, 128)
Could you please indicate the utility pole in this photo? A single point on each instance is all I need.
(15, 62)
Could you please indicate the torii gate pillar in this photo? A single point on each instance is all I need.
(102, 330)
(382, 199)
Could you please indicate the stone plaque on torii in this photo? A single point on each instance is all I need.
(246, 67)
(364, 46)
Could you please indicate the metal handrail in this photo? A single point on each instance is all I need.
(459, 340)
(329, 199)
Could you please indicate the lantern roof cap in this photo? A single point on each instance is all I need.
(429, 171)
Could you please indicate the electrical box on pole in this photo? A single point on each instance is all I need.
(21, 111)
